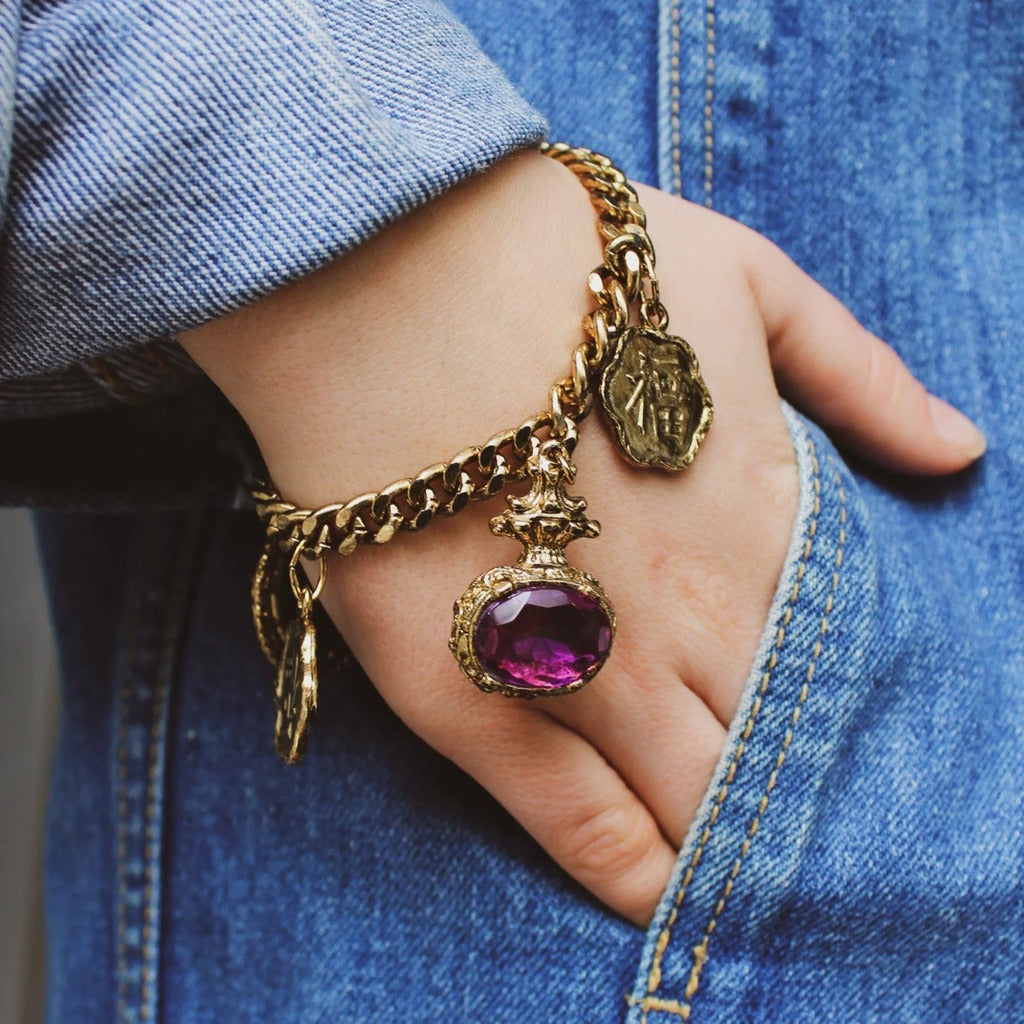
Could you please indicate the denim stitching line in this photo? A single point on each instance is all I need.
(654, 975)
(709, 96)
(156, 733)
(161, 694)
(650, 1003)
(700, 953)
(159, 698)
(122, 804)
(677, 159)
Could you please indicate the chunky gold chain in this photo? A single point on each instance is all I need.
(410, 503)
(481, 471)
(625, 278)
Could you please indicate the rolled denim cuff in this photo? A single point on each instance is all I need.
(174, 161)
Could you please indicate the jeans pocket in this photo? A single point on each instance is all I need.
(746, 838)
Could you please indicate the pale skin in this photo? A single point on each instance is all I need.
(450, 325)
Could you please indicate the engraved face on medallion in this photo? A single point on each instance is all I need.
(656, 399)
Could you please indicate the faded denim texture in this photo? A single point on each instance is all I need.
(858, 856)
(172, 161)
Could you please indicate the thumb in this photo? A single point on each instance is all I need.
(849, 380)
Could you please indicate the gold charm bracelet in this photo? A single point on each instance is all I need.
(540, 627)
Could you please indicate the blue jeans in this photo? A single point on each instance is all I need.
(858, 855)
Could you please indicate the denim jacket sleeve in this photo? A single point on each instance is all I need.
(166, 162)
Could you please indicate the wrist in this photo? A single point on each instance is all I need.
(447, 325)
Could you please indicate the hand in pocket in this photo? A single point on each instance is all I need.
(451, 325)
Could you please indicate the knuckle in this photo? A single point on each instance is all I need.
(776, 478)
(883, 378)
(760, 255)
(767, 466)
(893, 389)
(612, 842)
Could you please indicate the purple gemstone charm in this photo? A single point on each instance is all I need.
(540, 627)
(542, 636)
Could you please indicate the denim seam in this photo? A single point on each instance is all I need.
(709, 97)
(156, 610)
(674, 101)
(700, 952)
(155, 780)
(135, 617)
(151, 831)
(654, 974)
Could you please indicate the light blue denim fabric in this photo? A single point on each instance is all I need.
(173, 160)
(858, 856)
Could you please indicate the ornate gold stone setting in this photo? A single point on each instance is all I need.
(545, 520)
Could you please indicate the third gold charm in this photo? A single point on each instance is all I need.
(655, 399)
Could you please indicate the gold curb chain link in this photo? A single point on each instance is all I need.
(623, 281)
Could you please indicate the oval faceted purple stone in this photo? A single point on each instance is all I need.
(542, 636)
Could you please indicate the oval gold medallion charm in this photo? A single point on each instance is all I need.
(540, 627)
(655, 399)
(296, 688)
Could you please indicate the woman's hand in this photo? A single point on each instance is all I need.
(451, 325)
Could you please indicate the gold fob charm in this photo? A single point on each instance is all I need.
(655, 399)
(295, 689)
(540, 627)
